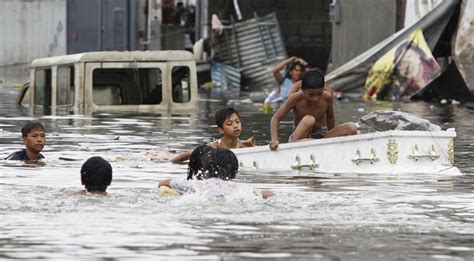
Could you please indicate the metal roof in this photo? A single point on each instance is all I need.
(114, 56)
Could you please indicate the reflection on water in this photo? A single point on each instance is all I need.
(313, 216)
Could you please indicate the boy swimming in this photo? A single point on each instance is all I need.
(34, 138)
(229, 125)
(96, 175)
(210, 171)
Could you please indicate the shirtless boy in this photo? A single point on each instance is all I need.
(310, 106)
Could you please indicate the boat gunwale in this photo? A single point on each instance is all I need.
(353, 138)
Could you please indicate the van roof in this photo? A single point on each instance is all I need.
(114, 56)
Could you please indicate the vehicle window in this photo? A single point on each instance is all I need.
(65, 91)
(181, 82)
(43, 87)
(129, 86)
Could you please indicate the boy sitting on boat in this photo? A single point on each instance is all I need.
(310, 106)
(230, 126)
(211, 172)
(34, 138)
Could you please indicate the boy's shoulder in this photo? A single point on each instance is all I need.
(18, 155)
(21, 155)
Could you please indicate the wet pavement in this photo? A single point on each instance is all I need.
(329, 217)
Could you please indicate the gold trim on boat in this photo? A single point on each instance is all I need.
(451, 152)
(392, 151)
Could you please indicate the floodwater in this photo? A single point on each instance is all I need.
(316, 217)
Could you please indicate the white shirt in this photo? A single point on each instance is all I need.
(212, 187)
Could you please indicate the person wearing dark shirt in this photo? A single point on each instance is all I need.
(34, 138)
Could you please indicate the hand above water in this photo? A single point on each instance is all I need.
(274, 144)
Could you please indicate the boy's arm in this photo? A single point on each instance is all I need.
(166, 183)
(277, 117)
(302, 61)
(267, 193)
(330, 120)
(183, 156)
(276, 70)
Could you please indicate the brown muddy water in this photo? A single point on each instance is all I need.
(315, 217)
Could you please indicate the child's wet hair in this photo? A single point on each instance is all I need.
(96, 174)
(195, 161)
(30, 126)
(216, 163)
(292, 66)
(221, 163)
(313, 79)
(222, 115)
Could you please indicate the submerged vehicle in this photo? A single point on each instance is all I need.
(389, 152)
(130, 81)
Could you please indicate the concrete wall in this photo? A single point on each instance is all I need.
(363, 23)
(304, 23)
(97, 25)
(118, 25)
(28, 30)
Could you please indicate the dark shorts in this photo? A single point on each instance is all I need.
(318, 135)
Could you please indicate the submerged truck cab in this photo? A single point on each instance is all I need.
(135, 81)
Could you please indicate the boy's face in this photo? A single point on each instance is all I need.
(313, 95)
(232, 126)
(296, 73)
(35, 140)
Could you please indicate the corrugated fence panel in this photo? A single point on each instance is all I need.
(254, 46)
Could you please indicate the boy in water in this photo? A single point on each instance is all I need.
(230, 126)
(310, 106)
(296, 68)
(34, 138)
(96, 175)
(214, 170)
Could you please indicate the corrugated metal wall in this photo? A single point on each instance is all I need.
(254, 46)
(28, 30)
(363, 23)
(304, 23)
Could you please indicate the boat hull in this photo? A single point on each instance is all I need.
(388, 152)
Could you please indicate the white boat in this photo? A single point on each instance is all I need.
(388, 152)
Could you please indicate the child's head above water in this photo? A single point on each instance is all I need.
(34, 137)
(213, 163)
(30, 127)
(223, 115)
(221, 163)
(96, 174)
(195, 160)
